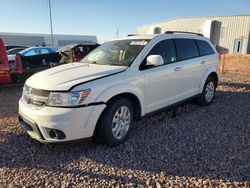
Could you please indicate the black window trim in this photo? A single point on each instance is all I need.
(144, 67)
(190, 57)
(195, 40)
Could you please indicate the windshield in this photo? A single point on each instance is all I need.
(120, 52)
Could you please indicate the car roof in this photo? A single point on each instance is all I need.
(30, 48)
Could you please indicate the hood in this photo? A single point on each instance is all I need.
(63, 77)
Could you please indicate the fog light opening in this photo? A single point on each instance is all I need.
(56, 134)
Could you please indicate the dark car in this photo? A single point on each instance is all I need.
(35, 59)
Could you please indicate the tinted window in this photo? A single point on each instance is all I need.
(30, 53)
(44, 51)
(186, 49)
(166, 49)
(204, 47)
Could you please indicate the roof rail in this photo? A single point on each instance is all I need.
(172, 32)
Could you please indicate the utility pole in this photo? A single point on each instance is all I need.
(117, 33)
(51, 27)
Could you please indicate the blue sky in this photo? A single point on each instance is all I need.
(103, 17)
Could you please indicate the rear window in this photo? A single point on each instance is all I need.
(186, 49)
(204, 47)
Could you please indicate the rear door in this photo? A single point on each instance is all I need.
(207, 55)
(191, 64)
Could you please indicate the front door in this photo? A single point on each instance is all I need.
(177, 79)
(160, 81)
(237, 45)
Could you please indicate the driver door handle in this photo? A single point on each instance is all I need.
(203, 62)
(178, 69)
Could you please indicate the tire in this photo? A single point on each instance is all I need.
(14, 79)
(115, 122)
(208, 92)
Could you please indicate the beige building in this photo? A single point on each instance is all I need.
(230, 34)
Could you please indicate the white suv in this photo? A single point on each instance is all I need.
(117, 83)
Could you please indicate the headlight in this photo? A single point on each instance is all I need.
(67, 99)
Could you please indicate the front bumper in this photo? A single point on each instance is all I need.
(74, 123)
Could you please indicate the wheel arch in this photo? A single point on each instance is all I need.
(129, 91)
(134, 101)
(127, 95)
(215, 77)
(211, 71)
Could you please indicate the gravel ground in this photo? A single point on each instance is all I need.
(200, 147)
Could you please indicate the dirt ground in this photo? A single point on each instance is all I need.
(200, 147)
(239, 64)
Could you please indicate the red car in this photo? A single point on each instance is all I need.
(4, 65)
(7, 75)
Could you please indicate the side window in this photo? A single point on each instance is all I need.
(186, 49)
(204, 47)
(30, 53)
(166, 49)
(44, 51)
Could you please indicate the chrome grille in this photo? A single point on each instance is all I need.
(38, 92)
(34, 96)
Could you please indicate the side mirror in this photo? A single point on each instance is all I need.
(155, 60)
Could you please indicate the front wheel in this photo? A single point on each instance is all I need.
(208, 93)
(114, 124)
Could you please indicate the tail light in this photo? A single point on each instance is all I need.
(18, 62)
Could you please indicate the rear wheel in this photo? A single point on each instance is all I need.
(114, 124)
(207, 95)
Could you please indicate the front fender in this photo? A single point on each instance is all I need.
(205, 75)
(118, 89)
